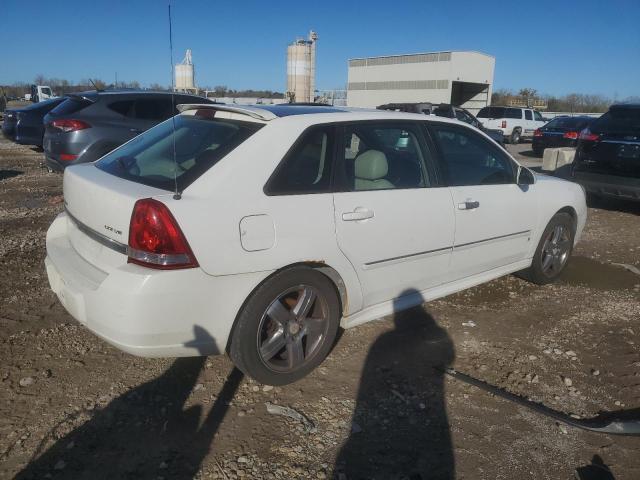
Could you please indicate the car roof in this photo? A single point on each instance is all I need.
(315, 114)
(95, 94)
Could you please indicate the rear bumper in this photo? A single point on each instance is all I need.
(609, 185)
(145, 312)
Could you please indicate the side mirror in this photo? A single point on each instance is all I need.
(525, 176)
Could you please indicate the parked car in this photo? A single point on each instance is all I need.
(464, 115)
(425, 108)
(559, 132)
(25, 125)
(514, 123)
(443, 110)
(88, 125)
(282, 223)
(607, 161)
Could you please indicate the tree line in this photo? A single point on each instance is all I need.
(63, 86)
(572, 102)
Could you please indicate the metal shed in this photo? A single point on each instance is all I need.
(461, 78)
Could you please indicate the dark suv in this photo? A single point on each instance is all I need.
(607, 161)
(89, 125)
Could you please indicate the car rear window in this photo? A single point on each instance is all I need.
(201, 141)
(618, 121)
(42, 105)
(569, 123)
(71, 105)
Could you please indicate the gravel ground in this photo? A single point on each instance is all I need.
(72, 406)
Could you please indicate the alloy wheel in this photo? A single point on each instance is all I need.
(555, 251)
(293, 328)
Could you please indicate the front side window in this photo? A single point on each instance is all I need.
(381, 157)
(468, 159)
(537, 116)
(307, 167)
(154, 158)
(528, 115)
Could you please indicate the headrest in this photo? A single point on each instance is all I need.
(371, 165)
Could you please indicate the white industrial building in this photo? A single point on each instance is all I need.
(461, 78)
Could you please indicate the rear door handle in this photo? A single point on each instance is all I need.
(468, 205)
(359, 213)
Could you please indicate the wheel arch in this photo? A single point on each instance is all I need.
(331, 273)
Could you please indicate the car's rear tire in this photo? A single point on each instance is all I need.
(515, 136)
(538, 152)
(287, 327)
(553, 251)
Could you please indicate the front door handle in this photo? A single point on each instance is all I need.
(468, 205)
(135, 130)
(359, 213)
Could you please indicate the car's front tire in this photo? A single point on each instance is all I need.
(553, 251)
(287, 327)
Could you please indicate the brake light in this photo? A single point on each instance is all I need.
(537, 132)
(69, 125)
(504, 124)
(587, 135)
(67, 157)
(155, 238)
(570, 135)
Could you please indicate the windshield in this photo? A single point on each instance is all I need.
(200, 142)
(618, 121)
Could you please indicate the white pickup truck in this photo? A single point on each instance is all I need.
(514, 122)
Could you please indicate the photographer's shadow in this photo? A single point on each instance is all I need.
(145, 433)
(400, 427)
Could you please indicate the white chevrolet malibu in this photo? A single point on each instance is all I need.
(259, 231)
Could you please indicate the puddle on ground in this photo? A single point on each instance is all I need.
(593, 274)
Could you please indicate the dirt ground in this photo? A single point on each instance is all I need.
(71, 406)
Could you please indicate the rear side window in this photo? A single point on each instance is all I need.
(200, 142)
(382, 156)
(157, 109)
(468, 159)
(491, 112)
(70, 105)
(123, 107)
(307, 167)
(528, 115)
(618, 121)
(513, 113)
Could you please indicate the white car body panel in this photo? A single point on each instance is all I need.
(240, 236)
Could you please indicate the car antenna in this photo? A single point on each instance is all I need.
(95, 86)
(176, 194)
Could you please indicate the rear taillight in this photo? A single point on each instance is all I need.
(504, 124)
(537, 132)
(587, 135)
(67, 157)
(570, 135)
(155, 238)
(69, 125)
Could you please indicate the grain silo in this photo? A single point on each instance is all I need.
(184, 75)
(301, 69)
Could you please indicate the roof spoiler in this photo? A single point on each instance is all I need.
(254, 112)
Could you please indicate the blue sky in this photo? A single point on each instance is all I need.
(556, 47)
